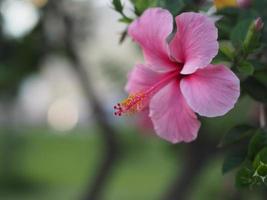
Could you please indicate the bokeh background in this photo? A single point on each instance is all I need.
(61, 71)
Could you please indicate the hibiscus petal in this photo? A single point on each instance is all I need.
(144, 120)
(195, 42)
(211, 91)
(141, 78)
(172, 119)
(151, 31)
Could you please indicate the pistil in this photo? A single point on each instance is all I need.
(138, 101)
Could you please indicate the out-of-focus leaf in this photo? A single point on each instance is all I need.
(233, 159)
(258, 142)
(117, 5)
(255, 89)
(174, 6)
(248, 14)
(236, 134)
(227, 23)
(141, 5)
(246, 68)
(239, 33)
(261, 76)
(227, 49)
(257, 64)
(125, 20)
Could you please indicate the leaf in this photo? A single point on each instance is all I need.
(260, 162)
(255, 89)
(260, 167)
(262, 170)
(246, 68)
(261, 76)
(261, 158)
(258, 142)
(227, 49)
(257, 65)
(236, 134)
(117, 5)
(174, 6)
(125, 20)
(244, 176)
(239, 33)
(233, 159)
(141, 5)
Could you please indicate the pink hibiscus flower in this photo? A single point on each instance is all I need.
(178, 80)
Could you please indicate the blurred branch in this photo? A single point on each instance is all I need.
(196, 157)
(107, 132)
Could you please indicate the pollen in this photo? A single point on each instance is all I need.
(133, 104)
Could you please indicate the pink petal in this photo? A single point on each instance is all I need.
(172, 119)
(195, 43)
(141, 78)
(151, 31)
(211, 91)
(144, 120)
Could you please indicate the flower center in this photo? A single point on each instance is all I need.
(138, 101)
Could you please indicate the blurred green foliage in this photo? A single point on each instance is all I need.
(56, 167)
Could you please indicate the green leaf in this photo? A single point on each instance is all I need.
(174, 6)
(125, 20)
(246, 68)
(244, 176)
(239, 33)
(117, 5)
(261, 76)
(258, 142)
(262, 170)
(236, 134)
(141, 5)
(255, 89)
(253, 175)
(260, 166)
(261, 158)
(259, 66)
(233, 159)
(227, 49)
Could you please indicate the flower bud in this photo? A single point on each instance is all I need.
(252, 39)
(258, 24)
(244, 3)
